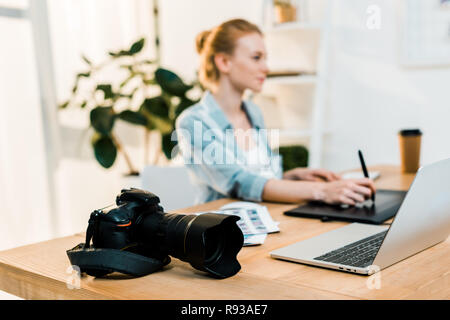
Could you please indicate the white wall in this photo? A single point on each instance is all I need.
(372, 97)
(181, 21)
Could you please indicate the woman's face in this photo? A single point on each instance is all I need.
(248, 66)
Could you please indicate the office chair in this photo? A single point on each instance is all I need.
(171, 184)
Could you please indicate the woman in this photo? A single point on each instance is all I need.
(222, 138)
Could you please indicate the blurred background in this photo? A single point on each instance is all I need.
(345, 75)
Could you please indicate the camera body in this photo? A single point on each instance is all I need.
(118, 227)
(138, 228)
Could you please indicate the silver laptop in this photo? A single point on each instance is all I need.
(422, 221)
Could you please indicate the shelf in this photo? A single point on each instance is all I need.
(285, 88)
(293, 26)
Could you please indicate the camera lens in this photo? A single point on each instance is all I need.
(214, 246)
(210, 242)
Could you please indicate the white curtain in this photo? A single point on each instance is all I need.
(23, 179)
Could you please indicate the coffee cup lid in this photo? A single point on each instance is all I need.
(410, 132)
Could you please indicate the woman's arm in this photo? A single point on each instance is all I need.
(289, 191)
(348, 191)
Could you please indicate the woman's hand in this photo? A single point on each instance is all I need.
(311, 175)
(348, 191)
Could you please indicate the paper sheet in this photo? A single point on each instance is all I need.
(255, 220)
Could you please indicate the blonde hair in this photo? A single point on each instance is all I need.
(221, 39)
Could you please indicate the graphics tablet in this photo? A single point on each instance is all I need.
(387, 203)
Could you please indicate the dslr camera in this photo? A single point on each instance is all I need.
(137, 237)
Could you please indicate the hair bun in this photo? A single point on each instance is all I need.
(201, 39)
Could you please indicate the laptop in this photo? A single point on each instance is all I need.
(422, 221)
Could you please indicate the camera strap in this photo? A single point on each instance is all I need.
(99, 261)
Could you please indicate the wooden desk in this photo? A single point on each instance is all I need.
(39, 271)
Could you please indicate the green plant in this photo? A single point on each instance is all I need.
(293, 156)
(147, 96)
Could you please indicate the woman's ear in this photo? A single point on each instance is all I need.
(223, 62)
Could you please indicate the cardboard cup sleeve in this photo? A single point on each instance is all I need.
(409, 143)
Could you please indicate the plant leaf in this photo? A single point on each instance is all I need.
(293, 156)
(64, 105)
(171, 83)
(156, 106)
(86, 60)
(167, 145)
(84, 74)
(102, 119)
(133, 117)
(105, 151)
(107, 90)
(119, 54)
(137, 46)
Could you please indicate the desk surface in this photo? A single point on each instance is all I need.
(40, 271)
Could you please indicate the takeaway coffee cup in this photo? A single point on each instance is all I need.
(409, 142)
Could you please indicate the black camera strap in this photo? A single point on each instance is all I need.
(99, 262)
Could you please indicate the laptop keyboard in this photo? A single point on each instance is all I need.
(357, 254)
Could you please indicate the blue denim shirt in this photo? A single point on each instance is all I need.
(215, 163)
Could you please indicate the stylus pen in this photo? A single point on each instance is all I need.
(364, 168)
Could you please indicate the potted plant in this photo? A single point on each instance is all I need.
(147, 96)
(285, 11)
(293, 156)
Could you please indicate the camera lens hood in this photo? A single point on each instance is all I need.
(212, 243)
